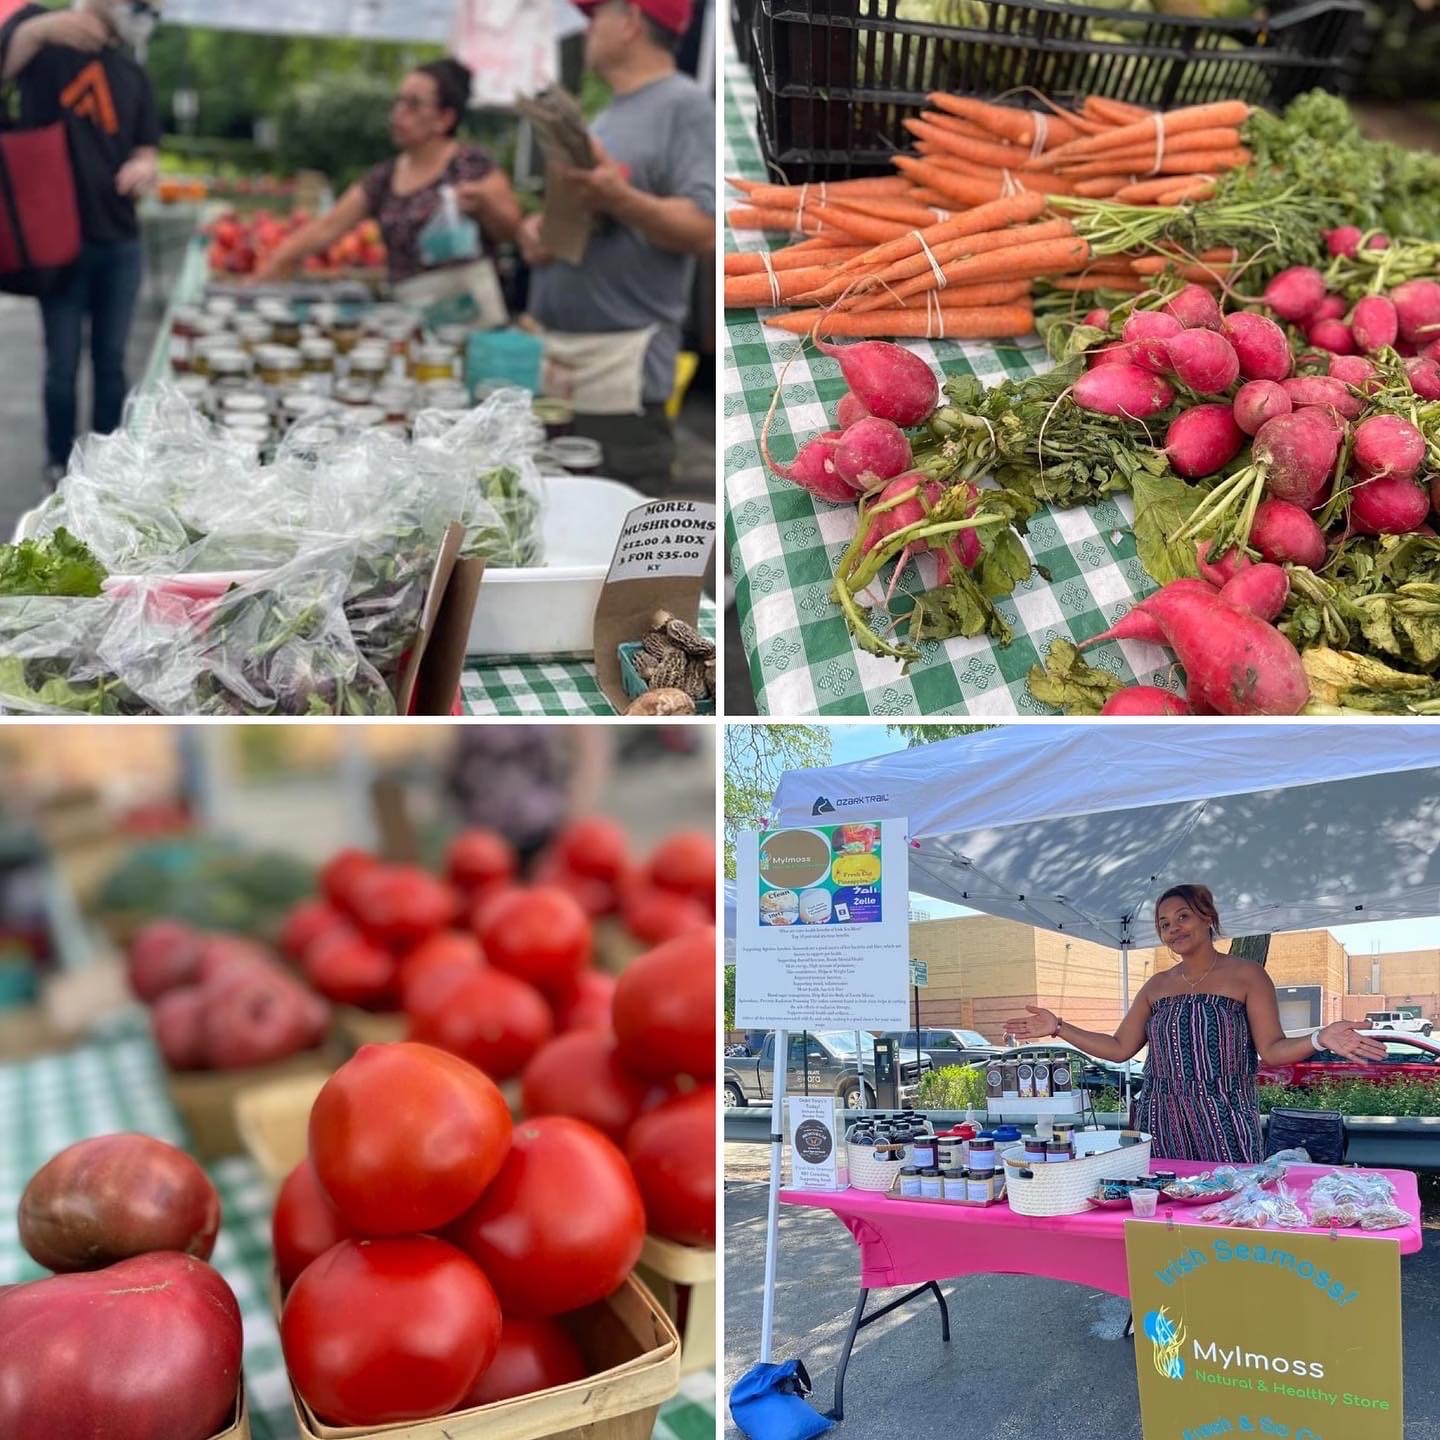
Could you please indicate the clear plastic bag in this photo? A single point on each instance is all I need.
(1256, 1209)
(1350, 1197)
(50, 662)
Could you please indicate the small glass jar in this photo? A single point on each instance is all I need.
(930, 1183)
(318, 356)
(452, 398)
(397, 403)
(953, 1184)
(981, 1155)
(210, 335)
(579, 454)
(557, 416)
(369, 364)
(253, 332)
(400, 332)
(1057, 1151)
(909, 1180)
(431, 363)
(1035, 1153)
(222, 307)
(365, 417)
(244, 405)
(279, 365)
(282, 319)
(230, 371)
(346, 335)
(195, 389)
(296, 405)
(979, 1186)
(184, 330)
(922, 1150)
(457, 337)
(324, 317)
(353, 392)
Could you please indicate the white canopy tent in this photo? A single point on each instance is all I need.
(729, 918)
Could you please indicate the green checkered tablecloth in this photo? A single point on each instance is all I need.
(116, 1084)
(784, 545)
(557, 685)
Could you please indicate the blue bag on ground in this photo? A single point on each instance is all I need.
(768, 1403)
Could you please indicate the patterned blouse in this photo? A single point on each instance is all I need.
(403, 217)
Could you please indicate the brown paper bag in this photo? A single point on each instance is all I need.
(431, 678)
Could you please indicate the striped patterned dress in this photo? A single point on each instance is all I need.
(1198, 1096)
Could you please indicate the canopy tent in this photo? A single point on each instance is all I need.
(428, 21)
(729, 918)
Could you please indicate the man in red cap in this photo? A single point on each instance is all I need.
(616, 318)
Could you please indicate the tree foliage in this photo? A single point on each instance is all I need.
(914, 735)
(756, 756)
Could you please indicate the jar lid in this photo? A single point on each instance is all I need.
(278, 357)
(353, 392)
(434, 354)
(272, 308)
(222, 305)
(245, 402)
(185, 314)
(930, 1170)
(457, 336)
(1007, 1132)
(302, 402)
(365, 416)
(909, 1170)
(447, 397)
(324, 313)
(192, 387)
(365, 357)
(210, 324)
(319, 348)
(229, 362)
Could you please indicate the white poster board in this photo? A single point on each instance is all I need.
(823, 928)
(817, 1154)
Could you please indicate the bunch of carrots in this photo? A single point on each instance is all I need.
(952, 246)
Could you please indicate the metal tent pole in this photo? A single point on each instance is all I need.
(1125, 1000)
(772, 1216)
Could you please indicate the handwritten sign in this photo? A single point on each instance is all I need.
(665, 539)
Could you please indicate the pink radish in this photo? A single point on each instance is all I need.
(1135, 624)
(1144, 700)
(1323, 391)
(1378, 242)
(1234, 662)
(1259, 401)
(1217, 574)
(888, 380)
(899, 517)
(1203, 440)
(1145, 330)
(1122, 390)
(1431, 351)
(1262, 590)
(1375, 323)
(849, 410)
(1332, 335)
(962, 547)
(1115, 353)
(870, 452)
(1296, 454)
(1285, 534)
(1100, 319)
(1407, 348)
(1343, 240)
(1332, 307)
(1295, 294)
(1355, 370)
(1194, 307)
(1424, 377)
(1417, 305)
(1203, 360)
(1388, 505)
(811, 468)
(1260, 345)
(1387, 445)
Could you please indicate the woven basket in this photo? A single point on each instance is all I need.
(1062, 1189)
(868, 1173)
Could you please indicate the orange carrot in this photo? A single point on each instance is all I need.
(862, 227)
(1044, 257)
(956, 127)
(993, 216)
(1085, 285)
(959, 297)
(1147, 192)
(1199, 188)
(751, 217)
(1102, 186)
(982, 152)
(988, 322)
(1156, 265)
(967, 189)
(872, 185)
(1174, 123)
(747, 291)
(896, 211)
(1220, 137)
(792, 257)
(1008, 122)
(1113, 112)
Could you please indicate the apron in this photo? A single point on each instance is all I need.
(598, 374)
(467, 294)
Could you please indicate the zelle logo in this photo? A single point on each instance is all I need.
(825, 806)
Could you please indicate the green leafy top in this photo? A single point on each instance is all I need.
(57, 565)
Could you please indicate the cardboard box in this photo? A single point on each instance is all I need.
(634, 1350)
(682, 1278)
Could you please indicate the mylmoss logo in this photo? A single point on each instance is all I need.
(1166, 1338)
(1168, 1343)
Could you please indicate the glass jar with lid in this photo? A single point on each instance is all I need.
(457, 337)
(195, 389)
(222, 307)
(282, 318)
(237, 405)
(318, 356)
(230, 370)
(557, 416)
(454, 398)
(184, 329)
(434, 362)
(252, 332)
(210, 335)
(353, 392)
(346, 335)
(279, 365)
(298, 405)
(369, 363)
(397, 401)
(324, 316)
(365, 417)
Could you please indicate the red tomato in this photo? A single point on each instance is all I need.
(339, 876)
(398, 906)
(665, 1009)
(493, 1020)
(672, 1152)
(595, 848)
(655, 915)
(305, 924)
(540, 935)
(686, 863)
(586, 1005)
(581, 1075)
(596, 897)
(488, 901)
(346, 968)
(365, 1132)
(384, 1330)
(305, 1224)
(479, 860)
(448, 951)
(533, 1355)
(562, 1225)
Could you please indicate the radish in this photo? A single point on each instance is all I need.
(1233, 660)
(1375, 323)
(1285, 534)
(1145, 330)
(1323, 391)
(1203, 360)
(1194, 307)
(1115, 353)
(1203, 440)
(811, 468)
(1332, 307)
(1259, 401)
(888, 380)
(1135, 624)
(1332, 335)
(1295, 294)
(1431, 351)
(1389, 505)
(1424, 377)
(1262, 590)
(1217, 574)
(1295, 454)
(1260, 344)
(1378, 242)
(899, 517)
(870, 452)
(1355, 370)
(1387, 445)
(1417, 305)
(1100, 319)
(963, 547)
(849, 410)
(1343, 240)
(1144, 700)
(1122, 390)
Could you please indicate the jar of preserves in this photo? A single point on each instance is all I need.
(195, 389)
(317, 358)
(184, 329)
(324, 317)
(396, 402)
(353, 392)
(910, 1180)
(557, 416)
(283, 320)
(369, 363)
(346, 335)
(210, 335)
(432, 363)
(253, 332)
(279, 365)
(457, 337)
(246, 405)
(298, 404)
(222, 307)
(230, 370)
(578, 454)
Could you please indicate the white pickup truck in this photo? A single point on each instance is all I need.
(1394, 1020)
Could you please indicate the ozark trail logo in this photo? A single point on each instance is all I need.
(1166, 1337)
(823, 807)
(826, 806)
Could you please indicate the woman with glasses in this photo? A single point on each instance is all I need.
(405, 194)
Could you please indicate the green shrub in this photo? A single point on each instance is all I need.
(1401, 1098)
(952, 1087)
(339, 126)
(1107, 1101)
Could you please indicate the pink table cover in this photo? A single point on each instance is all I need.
(910, 1242)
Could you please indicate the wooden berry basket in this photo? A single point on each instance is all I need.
(683, 1280)
(274, 1123)
(355, 1027)
(240, 1430)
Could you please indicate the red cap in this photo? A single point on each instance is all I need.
(671, 15)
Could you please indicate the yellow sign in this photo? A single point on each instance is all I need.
(1262, 1332)
(855, 870)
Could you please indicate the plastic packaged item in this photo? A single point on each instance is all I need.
(450, 237)
(1255, 1209)
(1348, 1197)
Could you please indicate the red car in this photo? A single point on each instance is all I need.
(1413, 1058)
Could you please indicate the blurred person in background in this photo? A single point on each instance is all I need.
(77, 65)
(618, 315)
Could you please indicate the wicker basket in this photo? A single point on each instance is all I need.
(868, 1173)
(1062, 1189)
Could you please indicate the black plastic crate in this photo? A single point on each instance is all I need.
(836, 80)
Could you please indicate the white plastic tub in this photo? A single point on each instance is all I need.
(550, 609)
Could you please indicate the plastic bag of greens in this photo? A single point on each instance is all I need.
(50, 660)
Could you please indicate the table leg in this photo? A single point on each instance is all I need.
(860, 1320)
(1129, 1332)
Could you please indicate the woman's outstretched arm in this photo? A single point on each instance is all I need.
(1128, 1039)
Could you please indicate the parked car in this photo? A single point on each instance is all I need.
(1394, 1020)
(947, 1047)
(822, 1062)
(1413, 1058)
(1094, 1074)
